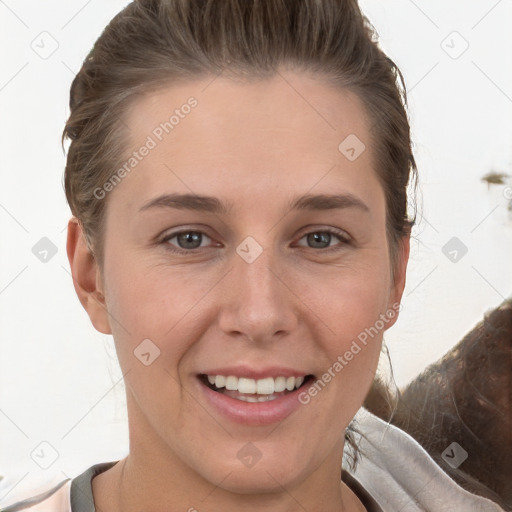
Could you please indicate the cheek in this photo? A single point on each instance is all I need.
(351, 304)
(348, 299)
(165, 305)
(144, 299)
(156, 319)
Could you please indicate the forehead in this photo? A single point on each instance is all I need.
(218, 136)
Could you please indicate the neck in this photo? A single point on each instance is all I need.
(153, 478)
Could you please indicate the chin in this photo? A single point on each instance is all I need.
(254, 476)
(265, 480)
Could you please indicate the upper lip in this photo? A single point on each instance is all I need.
(260, 373)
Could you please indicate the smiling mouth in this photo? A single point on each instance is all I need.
(254, 390)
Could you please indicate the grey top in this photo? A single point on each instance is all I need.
(81, 488)
(81, 496)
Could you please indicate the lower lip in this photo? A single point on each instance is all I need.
(253, 413)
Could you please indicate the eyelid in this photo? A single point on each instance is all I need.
(343, 236)
(169, 235)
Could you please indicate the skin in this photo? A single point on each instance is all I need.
(256, 145)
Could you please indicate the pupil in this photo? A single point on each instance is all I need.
(318, 239)
(189, 240)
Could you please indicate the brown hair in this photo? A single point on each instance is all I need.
(152, 43)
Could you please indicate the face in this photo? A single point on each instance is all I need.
(245, 250)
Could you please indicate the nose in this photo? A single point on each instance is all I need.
(259, 304)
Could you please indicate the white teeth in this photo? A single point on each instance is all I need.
(265, 398)
(220, 381)
(279, 384)
(266, 387)
(249, 399)
(298, 382)
(246, 385)
(232, 383)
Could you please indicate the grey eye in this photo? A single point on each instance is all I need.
(189, 239)
(323, 239)
(319, 240)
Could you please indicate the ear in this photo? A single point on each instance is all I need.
(87, 277)
(400, 271)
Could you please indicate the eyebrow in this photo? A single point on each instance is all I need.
(188, 202)
(211, 204)
(328, 202)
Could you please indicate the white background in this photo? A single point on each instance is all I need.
(59, 378)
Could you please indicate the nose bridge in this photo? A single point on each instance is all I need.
(258, 278)
(260, 306)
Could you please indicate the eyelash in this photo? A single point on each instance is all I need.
(341, 235)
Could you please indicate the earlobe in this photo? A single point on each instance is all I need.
(87, 277)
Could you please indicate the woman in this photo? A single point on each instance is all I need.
(238, 177)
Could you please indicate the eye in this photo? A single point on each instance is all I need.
(322, 239)
(185, 241)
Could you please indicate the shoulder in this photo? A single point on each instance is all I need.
(56, 499)
(400, 475)
(68, 496)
